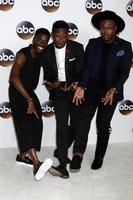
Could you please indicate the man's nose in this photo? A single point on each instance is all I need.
(61, 39)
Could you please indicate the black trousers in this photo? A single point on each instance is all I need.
(103, 119)
(65, 112)
(28, 127)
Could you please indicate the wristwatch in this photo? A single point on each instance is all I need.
(83, 87)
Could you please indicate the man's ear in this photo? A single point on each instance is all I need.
(51, 35)
(33, 40)
(116, 28)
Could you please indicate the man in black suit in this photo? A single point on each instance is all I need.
(106, 68)
(63, 60)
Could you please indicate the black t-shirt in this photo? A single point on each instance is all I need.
(106, 47)
(31, 70)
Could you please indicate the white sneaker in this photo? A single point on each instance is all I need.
(42, 168)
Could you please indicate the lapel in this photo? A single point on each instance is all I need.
(112, 54)
(53, 60)
(114, 49)
(111, 70)
(98, 56)
(67, 54)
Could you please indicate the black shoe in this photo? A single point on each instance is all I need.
(97, 163)
(60, 171)
(26, 161)
(42, 168)
(75, 164)
(57, 156)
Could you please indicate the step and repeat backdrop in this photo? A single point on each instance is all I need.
(18, 21)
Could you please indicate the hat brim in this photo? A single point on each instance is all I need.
(98, 17)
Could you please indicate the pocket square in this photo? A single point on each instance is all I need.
(71, 59)
(120, 53)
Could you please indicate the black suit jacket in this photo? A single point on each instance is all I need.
(73, 62)
(118, 66)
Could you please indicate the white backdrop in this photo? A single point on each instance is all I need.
(73, 11)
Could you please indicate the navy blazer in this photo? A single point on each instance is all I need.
(118, 66)
(73, 62)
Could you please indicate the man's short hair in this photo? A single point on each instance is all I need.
(60, 24)
(42, 31)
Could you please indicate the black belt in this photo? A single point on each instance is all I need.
(62, 83)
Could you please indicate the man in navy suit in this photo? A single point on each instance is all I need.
(106, 68)
(63, 61)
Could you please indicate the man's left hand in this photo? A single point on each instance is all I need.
(109, 96)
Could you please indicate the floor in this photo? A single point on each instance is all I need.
(114, 181)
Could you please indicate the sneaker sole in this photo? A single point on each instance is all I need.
(24, 164)
(43, 169)
(74, 170)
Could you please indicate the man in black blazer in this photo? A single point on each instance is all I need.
(63, 60)
(106, 68)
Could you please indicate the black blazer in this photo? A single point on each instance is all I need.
(73, 62)
(118, 67)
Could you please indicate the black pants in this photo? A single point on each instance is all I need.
(103, 119)
(28, 127)
(65, 110)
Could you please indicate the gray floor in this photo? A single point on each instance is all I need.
(114, 181)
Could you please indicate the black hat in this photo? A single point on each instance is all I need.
(107, 14)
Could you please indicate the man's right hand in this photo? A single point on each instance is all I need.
(78, 96)
(31, 108)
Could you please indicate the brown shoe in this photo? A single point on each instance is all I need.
(60, 171)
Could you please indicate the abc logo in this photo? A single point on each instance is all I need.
(130, 8)
(25, 30)
(73, 31)
(6, 4)
(48, 108)
(126, 107)
(6, 57)
(5, 110)
(93, 6)
(50, 5)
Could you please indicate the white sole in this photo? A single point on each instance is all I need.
(46, 165)
(74, 170)
(24, 164)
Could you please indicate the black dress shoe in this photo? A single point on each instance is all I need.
(97, 163)
(57, 156)
(75, 164)
(60, 171)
